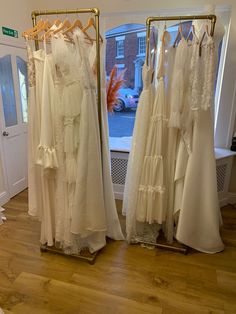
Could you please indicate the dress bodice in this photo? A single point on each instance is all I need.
(147, 73)
(64, 56)
(85, 56)
(30, 65)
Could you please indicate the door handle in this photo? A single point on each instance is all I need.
(5, 133)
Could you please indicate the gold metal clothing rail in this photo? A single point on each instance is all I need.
(150, 19)
(173, 247)
(96, 12)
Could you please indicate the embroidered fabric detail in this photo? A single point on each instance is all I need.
(151, 189)
(46, 157)
(158, 117)
(30, 67)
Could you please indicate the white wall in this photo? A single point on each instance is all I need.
(16, 14)
(137, 10)
(13, 14)
(1, 178)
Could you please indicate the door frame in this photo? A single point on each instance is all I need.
(5, 195)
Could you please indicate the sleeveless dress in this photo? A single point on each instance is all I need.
(137, 152)
(151, 204)
(113, 224)
(199, 216)
(35, 79)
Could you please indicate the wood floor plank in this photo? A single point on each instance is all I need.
(125, 279)
(70, 298)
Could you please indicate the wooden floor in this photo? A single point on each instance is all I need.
(125, 279)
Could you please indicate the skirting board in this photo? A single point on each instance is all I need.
(4, 198)
(231, 198)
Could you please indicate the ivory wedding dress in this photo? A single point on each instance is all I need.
(137, 152)
(77, 207)
(35, 67)
(199, 216)
(145, 183)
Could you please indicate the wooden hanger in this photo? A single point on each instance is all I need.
(33, 29)
(77, 23)
(57, 22)
(47, 34)
(180, 33)
(91, 23)
(206, 32)
(191, 32)
(65, 24)
(46, 26)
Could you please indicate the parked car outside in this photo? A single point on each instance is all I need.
(127, 99)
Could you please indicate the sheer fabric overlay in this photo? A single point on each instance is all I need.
(171, 178)
(76, 204)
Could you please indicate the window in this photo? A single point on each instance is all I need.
(120, 47)
(22, 78)
(120, 68)
(8, 92)
(121, 121)
(141, 43)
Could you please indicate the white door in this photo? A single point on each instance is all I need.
(13, 113)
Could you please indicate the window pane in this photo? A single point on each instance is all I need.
(121, 121)
(7, 90)
(120, 48)
(142, 45)
(23, 88)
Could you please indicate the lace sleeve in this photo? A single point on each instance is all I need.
(46, 153)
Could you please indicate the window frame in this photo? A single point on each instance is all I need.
(140, 36)
(119, 40)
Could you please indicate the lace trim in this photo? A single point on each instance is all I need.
(151, 189)
(153, 158)
(46, 157)
(158, 117)
(71, 169)
(174, 121)
(31, 68)
(208, 87)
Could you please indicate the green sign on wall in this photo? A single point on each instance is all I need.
(9, 32)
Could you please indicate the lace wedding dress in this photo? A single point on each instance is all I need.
(145, 198)
(77, 204)
(199, 216)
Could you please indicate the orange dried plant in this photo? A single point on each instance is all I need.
(113, 85)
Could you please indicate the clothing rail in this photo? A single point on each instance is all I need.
(179, 248)
(151, 19)
(96, 13)
(90, 258)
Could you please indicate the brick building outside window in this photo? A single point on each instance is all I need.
(126, 46)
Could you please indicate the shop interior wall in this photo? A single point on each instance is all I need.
(13, 14)
(123, 11)
(16, 14)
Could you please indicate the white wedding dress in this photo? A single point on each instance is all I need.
(35, 68)
(199, 216)
(145, 183)
(77, 202)
(137, 152)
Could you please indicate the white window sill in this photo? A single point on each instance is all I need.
(141, 55)
(120, 57)
(123, 144)
(221, 153)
